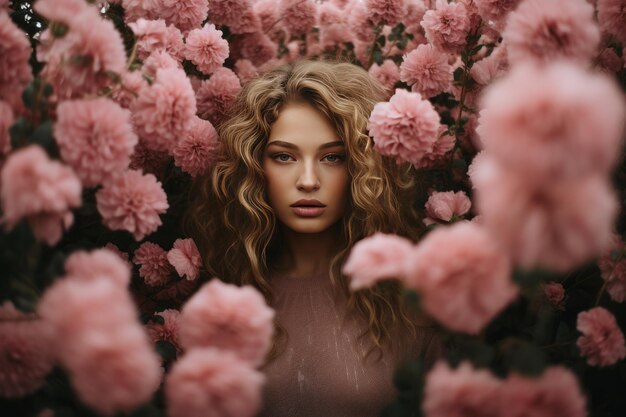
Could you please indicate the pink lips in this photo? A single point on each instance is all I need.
(308, 208)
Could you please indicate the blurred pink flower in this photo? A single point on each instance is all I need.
(98, 264)
(245, 70)
(545, 30)
(15, 72)
(238, 15)
(131, 83)
(213, 383)
(137, 9)
(228, 317)
(185, 258)
(216, 95)
(611, 16)
(386, 74)
(59, 10)
(490, 67)
(555, 293)
(159, 60)
(360, 24)
(6, 120)
(41, 190)
(154, 267)
(184, 14)
(535, 123)
(387, 12)
(122, 255)
(163, 111)
(25, 357)
(612, 265)
(447, 26)
(375, 258)
(95, 138)
(608, 61)
(298, 16)
(198, 149)
(333, 36)
(256, 47)
(156, 36)
(206, 48)
(426, 69)
(329, 14)
(149, 161)
(406, 127)
(463, 391)
(168, 331)
(452, 282)
(495, 10)
(443, 206)
(267, 13)
(602, 341)
(132, 202)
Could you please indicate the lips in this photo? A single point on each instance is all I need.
(308, 203)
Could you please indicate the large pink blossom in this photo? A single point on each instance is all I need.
(154, 266)
(185, 258)
(453, 282)
(543, 30)
(426, 69)
(387, 74)
(443, 206)
(534, 122)
(447, 26)
(168, 331)
(375, 258)
(15, 72)
(329, 14)
(213, 383)
(611, 16)
(387, 12)
(206, 48)
(238, 15)
(216, 95)
(156, 36)
(41, 190)
(228, 317)
(196, 152)
(98, 264)
(95, 138)
(602, 341)
(299, 16)
(132, 202)
(6, 120)
(163, 111)
(25, 357)
(612, 265)
(405, 128)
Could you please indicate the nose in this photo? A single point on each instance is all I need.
(308, 180)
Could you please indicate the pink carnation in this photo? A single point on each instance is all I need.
(206, 48)
(156, 36)
(602, 341)
(299, 16)
(491, 67)
(149, 161)
(535, 123)
(132, 202)
(495, 10)
(162, 112)
(131, 83)
(386, 74)
(95, 138)
(137, 9)
(216, 95)
(256, 47)
(611, 16)
(267, 13)
(41, 190)
(213, 383)
(245, 70)
(377, 257)
(555, 293)
(122, 255)
(445, 143)
(452, 282)
(6, 120)
(15, 71)
(387, 12)
(184, 14)
(98, 264)
(612, 264)
(542, 30)
(154, 267)
(185, 258)
(447, 26)
(198, 150)
(443, 206)
(168, 331)
(360, 24)
(608, 61)
(329, 14)
(159, 60)
(59, 10)
(228, 317)
(238, 15)
(427, 70)
(406, 127)
(25, 357)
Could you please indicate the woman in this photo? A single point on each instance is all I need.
(297, 184)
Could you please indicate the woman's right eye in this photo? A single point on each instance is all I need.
(281, 157)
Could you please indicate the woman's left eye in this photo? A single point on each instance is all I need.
(335, 157)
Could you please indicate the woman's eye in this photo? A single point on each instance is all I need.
(335, 157)
(282, 157)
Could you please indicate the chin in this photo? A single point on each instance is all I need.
(309, 226)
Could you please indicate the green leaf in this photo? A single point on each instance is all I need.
(402, 43)
(166, 350)
(378, 57)
(381, 40)
(458, 74)
(18, 131)
(28, 96)
(43, 135)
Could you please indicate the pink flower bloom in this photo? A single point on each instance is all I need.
(184, 14)
(375, 258)
(128, 89)
(387, 12)
(162, 112)
(602, 341)
(238, 15)
(445, 143)
(495, 10)
(267, 13)
(216, 95)
(95, 138)
(542, 30)
(41, 190)
(149, 161)
(359, 23)
(386, 74)
(611, 16)
(257, 47)
(132, 202)
(612, 264)
(25, 357)
(168, 331)
(555, 293)
(154, 267)
(15, 72)
(447, 26)
(299, 16)
(427, 70)
(206, 48)
(443, 206)
(228, 317)
(608, 61)
(490, 67)
(155, 36)
(463, 391)
(329, 14)
(98, 264)
(59, 10)
(406, 127)
(6, 120)
(159, 60)
(452, 282)
(213, 383)
(245, 70)
(198, 150)
(122, 255)
(535, 123)
(185, 258)
(137, 9)
(333, 36)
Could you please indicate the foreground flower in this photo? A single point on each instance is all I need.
(206, 48)
(451, 268)
(154, 267)
(612, 265)
(602, 341)
(377, 257)
(213, 383)
(228, 317)
(198, 149)
(132, 202)
(443, 206)
(185, 258)
(98, 264)
(40, 190)
(447, 26)
(426, 69)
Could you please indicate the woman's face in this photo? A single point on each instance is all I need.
(305, 159)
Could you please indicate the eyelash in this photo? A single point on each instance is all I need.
(340, 157)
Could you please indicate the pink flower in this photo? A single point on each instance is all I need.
(122, 255)
(490, 67)
(267, 13)
(228, 317)
(6, 120)
(168, 331)
(447, 26)
(386, 74)
(184, 14)
(611, 16)
(445, 143)
(535, 123)
(156, 36)
(495, 10)
(608, 61)
(602, 341)
(213, 383)
(359, 23)
(149, 161)
(463, 391)
(427, 70)
(41, 190)
(329, 14)
(377, 257)
(95, 138)
(137, 9)
(556, 393)
(25, 357)
(131, 83)
(59, 10)
(132, 202)
(154, 267)
(245, 70)
(406, 127)
(257, 47)
(443, 206)
(162, 112)
(299, 16)
(15, 72)
(216, 95)
(612, 264)
(452, 282)
(159, 60)
(196, 152)
(543, 30)
(206, 48)
(98, 264)
(238, 15)
(555, 293)
(387, 12)
(185, 258)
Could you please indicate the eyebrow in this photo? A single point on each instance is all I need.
(292, 146)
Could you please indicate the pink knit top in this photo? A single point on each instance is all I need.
(321, 373)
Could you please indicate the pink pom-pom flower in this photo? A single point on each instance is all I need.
(427, 70)
(611, 16)
(198, 149)
(387, 12)
(98, 264)
(443, 206)
(238, 15)
(216, 95)
(387, 74)
(447, 26)
(185, 258)
(612, 265)
(298, 16)
(206, 48)
(154, 266)
(602, 341)
(156, 36)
